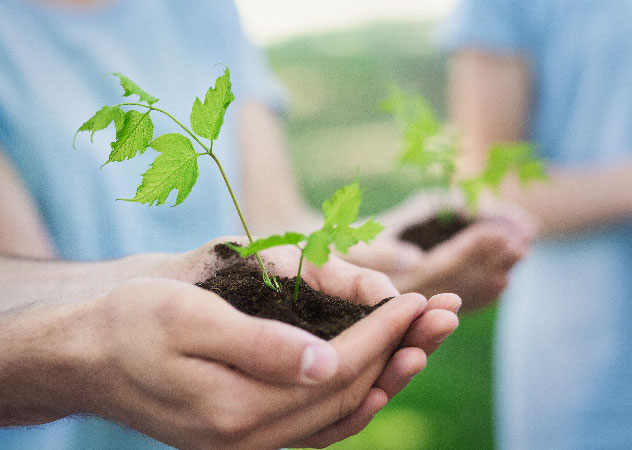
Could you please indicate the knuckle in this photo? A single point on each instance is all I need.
(347, 403)
(348, 375)
(233, 427)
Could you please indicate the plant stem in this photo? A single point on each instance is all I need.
(298, 276)
(271, 283)
(266, 277)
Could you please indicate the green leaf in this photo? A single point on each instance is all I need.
(513, 156)
(101, 120)
(345, 237)
(207, 118)
(175, 168)
(532, 171)
(427, 146)
(317, 247)
(343, 207)
(276, 240)
(133, 135)
(471, 189)
(131, 88)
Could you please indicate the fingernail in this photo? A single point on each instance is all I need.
(319, 363)
(442, 338)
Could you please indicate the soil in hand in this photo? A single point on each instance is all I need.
(241, 285)
(434, 231)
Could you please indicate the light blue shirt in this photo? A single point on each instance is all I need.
(564, 339)
(53, 66)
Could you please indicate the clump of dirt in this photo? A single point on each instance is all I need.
(241, 285)
(435, 230)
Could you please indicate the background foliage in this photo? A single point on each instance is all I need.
(336, 132)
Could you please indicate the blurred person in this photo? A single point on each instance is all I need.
(53, 58)
(557, 73)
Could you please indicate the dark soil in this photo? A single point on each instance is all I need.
(434, 231)
(241, 285)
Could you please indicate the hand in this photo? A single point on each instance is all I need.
(360, 285)
(181, 365)
(474, 264)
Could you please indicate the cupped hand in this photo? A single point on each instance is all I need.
(187, 368)
(475, 263)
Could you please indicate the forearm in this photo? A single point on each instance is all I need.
(47, 361)
(576, 200)
(272, 198)
(489, 102)
(22, 231)
(24, 281)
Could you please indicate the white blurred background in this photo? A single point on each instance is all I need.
(271, 21)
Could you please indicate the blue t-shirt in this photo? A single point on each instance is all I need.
(54, 63)
(564, 334)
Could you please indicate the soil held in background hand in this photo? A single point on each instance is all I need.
(242, 286)
(434, 231)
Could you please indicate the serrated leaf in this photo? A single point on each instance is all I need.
(317, 247)
(131, 88)
(133, 135)
(175, 168)
(345, 237)
(343, 207)
(207, 118)
(101, 120)
(276, 240)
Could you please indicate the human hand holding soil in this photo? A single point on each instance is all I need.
(474, 263)
(181, 365)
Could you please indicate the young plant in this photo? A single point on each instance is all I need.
(176, 165)
(431, 148)
(339, 212)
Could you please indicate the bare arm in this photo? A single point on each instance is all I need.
(21, 229)
(475, 266)
(489, 101)
(153, 354)
(272, 199)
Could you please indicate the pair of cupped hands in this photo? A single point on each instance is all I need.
(181, 365)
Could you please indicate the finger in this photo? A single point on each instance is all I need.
(388, 255)
(342, 279)
(212, 329)
(400, 370)
(431, 329)
(364, 351)
(350, 425)
(447, 301)
(375, 337)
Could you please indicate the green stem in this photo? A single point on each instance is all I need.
(298, 276)
(271, 283)
(266, 277)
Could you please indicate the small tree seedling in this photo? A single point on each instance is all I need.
(431, 148)
(176, 165)
(339, 211)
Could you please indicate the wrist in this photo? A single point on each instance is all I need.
(47, 362)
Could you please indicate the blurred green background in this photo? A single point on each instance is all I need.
(336, 132)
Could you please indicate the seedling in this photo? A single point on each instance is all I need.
(339, 212)
(431, 148)
(176, 166)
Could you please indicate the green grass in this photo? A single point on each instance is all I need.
(336, 133)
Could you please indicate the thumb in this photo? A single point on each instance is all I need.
(261, 348)
(387, 255)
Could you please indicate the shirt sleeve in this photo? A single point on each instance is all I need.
(499, 26)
